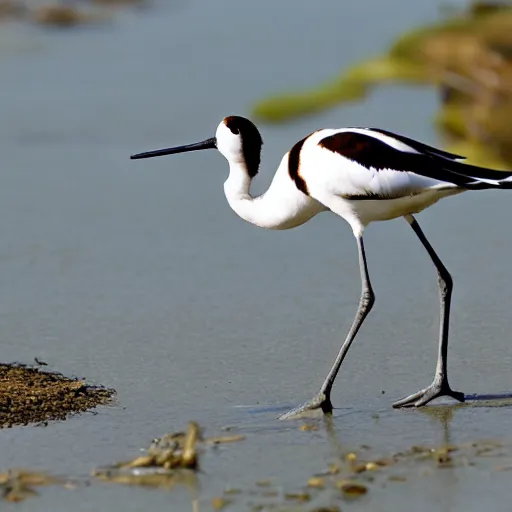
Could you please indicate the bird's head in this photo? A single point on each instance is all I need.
(236, 138)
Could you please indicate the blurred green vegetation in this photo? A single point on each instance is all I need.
(467, 57)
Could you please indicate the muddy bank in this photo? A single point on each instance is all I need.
(63, 14)
(30, 395)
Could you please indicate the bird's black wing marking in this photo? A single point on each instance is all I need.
(294, 166)
(470, 171)
(461, 168)
(376, 154)
(418, 146)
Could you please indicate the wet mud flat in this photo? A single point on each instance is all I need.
(30, 395)
(359, 474)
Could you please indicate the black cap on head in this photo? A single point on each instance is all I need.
(251, 141)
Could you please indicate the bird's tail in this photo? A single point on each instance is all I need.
(483, 183)
(477, 178)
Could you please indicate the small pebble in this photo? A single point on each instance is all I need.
(351, 457)
(351, 489)
(316, 482)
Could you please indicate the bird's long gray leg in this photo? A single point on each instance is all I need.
(322, 401)
(439, 386)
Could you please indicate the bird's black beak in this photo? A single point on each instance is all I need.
(205, 144)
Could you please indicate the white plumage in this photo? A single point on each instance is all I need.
(363, 175)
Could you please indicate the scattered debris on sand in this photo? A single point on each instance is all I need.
(358, 474)
(171, 459)
(30, 395)
(17, 485)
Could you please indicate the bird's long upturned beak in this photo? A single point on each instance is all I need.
(205, 144)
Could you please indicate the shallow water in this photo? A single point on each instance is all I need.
(137, 275)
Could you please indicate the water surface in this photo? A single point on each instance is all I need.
(137, 275)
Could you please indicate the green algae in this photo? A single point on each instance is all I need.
(467, 57)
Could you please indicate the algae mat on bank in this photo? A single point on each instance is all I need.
(467, 57)
(30, 395)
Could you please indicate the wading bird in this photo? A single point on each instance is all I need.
(362, 175)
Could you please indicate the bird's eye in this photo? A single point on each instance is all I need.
(233, 123)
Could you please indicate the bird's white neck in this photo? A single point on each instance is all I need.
(282, 206)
